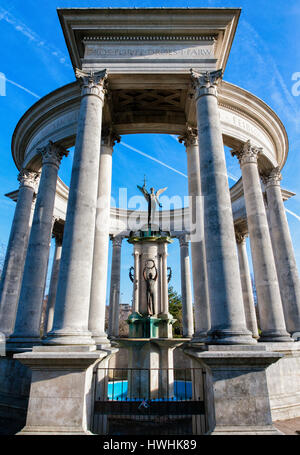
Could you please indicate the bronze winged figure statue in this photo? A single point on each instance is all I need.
(152, 200)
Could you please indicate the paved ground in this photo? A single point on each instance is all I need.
(291, 426)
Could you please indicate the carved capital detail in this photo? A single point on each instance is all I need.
(29, 178)
(273, 178)
(92, 83)
(190, 137)
(247, 153)
(109, 137)
(240, 237)
(206, 83)
(52, 153)
(183, 241)
(117, 241)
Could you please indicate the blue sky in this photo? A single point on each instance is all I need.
(264, 56)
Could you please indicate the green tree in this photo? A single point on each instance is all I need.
(175, 308)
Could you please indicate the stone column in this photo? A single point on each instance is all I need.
(164, 277)
(53, 281)
(246, 284)
(228, 323)
(114, 300)
(27, 327)
(268, 295)
(286, 267)
(16, 251)
(101, 242)
(201, 298)
(136, 283)
(186, 289)
(71, 315)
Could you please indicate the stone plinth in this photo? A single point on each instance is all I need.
(61, 397)
(150, 364)
(236, 389)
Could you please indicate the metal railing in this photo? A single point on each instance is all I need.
(149, 401)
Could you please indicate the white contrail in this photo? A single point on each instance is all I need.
(23, 88)
(32, 36)
(231, 176)
(174, 137)
(153, 159)
(292, 213)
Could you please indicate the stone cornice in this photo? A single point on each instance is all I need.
(90, 22)
(150, 38)
(66, 101)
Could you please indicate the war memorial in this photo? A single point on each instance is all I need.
(150, 70)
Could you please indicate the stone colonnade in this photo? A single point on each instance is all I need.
(223, 299)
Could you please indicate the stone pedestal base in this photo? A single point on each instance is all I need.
(237, 396)
(2, 344)
(61, 398)
(150, 363)
(150, 326)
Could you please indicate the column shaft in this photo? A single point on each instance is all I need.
(13, 267)
(228, 323)
(114, 301)
(164, 286)
(53, 284)
(201, 298)
(101, 243)
(269, 301)
(286, 267)
(135, 308)
(27, 327)
(71, 315)
(186, 289)
(246, 285)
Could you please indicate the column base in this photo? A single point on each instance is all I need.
(22, 343)
(296, 336)
(2, 344)
(247, 430)
(236, 394)
(61, 397)
(101, 340)
(69, 337)
(228, 337)
(199, 337)
(40, 431)
(279, 336)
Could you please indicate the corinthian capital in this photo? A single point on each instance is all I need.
(247, 153)
(183, 240)
(52, 153)
(92, 83)
(117, 241)
(206, 83)
(190, 137)
(273, 178)
(29, 178)
(109, 137)
(240, 237)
